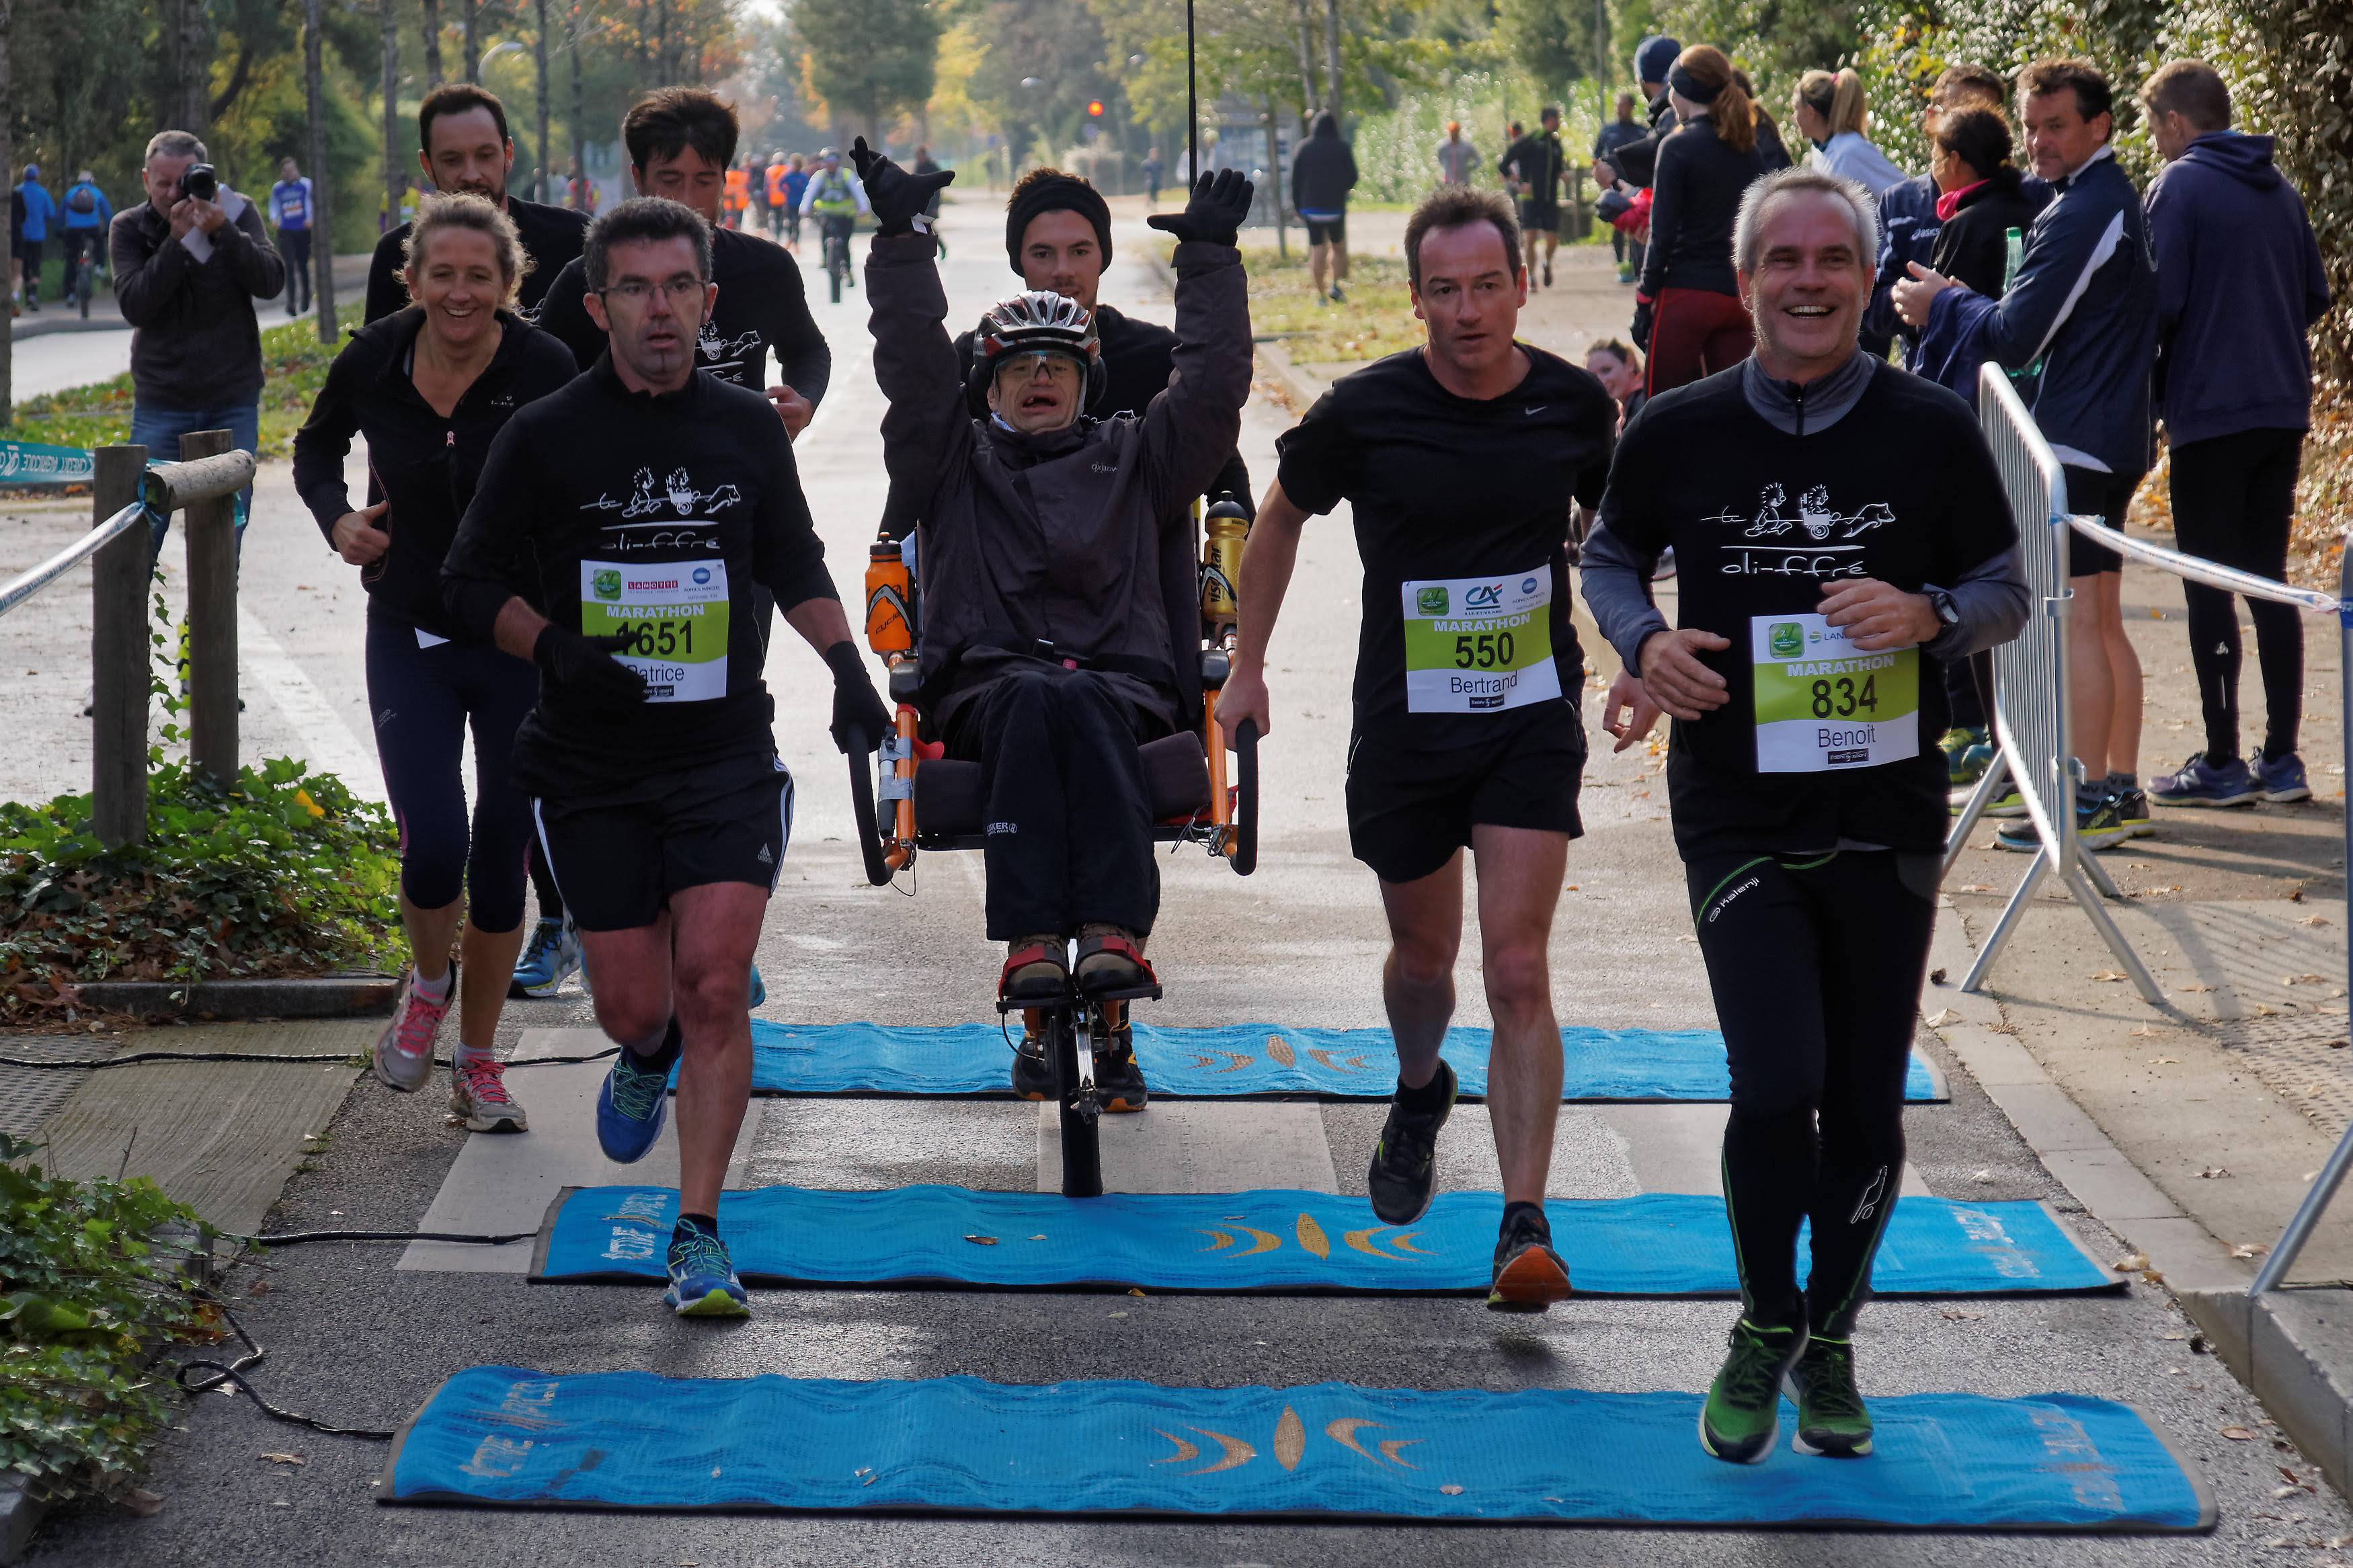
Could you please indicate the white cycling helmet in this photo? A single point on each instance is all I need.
(1039, 320)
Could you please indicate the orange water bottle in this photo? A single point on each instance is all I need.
(890, 590)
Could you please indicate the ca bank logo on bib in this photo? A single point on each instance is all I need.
(1431, 601)
(607, 583)
(1485, 598)
(1786, 639)
(701, 576)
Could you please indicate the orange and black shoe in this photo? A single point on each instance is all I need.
(1033, 1070)
(1529, 1275)
(1119, 1082)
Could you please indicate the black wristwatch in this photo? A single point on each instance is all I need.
(1948, 614)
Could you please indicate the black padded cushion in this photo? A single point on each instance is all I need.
(951, 800)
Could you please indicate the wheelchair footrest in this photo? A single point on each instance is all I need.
(1074, 998)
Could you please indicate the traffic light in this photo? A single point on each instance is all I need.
(1094, 109)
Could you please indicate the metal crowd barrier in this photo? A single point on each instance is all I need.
(2030, 701)
(128, 494)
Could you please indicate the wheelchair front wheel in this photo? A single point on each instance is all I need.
(1081, 1116)
(861, 807)
(1243, 855)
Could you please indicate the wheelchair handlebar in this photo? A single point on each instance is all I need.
(862, 805)
(1243, 856)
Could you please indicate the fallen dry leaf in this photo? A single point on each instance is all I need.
(2238, 1434)
(139, 1501)
(2314, 921)
(1943, 1016)
(284, 1459)
(2212, 1173)
(2196, 985)
(1982, 1176)
(1451, 1490)
(2246, 1251)
(982, 1240)
(1975, 887)
(2163, 1062)
(1956, 1315)
(2109, 974)
(2132, 1263)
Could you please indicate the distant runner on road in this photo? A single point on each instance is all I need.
(1846, 536)
(1460, 461)
(641, 505)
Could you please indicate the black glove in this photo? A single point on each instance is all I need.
(1642, 310)
(858, 714)
(897, 196)
(1220, 202)
(586, 665)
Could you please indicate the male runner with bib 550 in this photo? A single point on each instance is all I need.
(1807, 786)
(1459, 460)
(660, 801)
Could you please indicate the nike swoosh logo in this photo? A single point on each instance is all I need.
(1539, 408)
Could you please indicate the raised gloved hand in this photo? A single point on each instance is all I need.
(1219, 203)
(858, 713)
(1642, 313)
(897, 196)
(586, 665)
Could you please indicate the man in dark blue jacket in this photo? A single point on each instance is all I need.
(2239, 285)
(1322, 173)
(2080, 321)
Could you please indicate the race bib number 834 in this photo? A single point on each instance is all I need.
(1823, 704)
(1479, 645)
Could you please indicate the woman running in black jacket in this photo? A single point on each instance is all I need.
(1688, 319)
(429, 388)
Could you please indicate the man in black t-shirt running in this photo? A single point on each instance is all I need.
(651, 510)
(1536, 166)
(1845, 537)
(1460, 461)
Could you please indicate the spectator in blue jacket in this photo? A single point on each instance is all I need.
(2239, 285)
(289, 215)
(1907, 211)
(85, 213)
(39, 208)
(2080, 319)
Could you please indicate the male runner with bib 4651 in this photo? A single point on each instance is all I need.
(1845, 536)
(1459, 460)
(660, 801)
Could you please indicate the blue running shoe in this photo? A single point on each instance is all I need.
(759, 987)
(702, 1282)
(632, 1105)
(549, 958)
(2199, 783)
(2282, 780)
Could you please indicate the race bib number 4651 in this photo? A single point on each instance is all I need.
(1479, 645)
(674, 612)
(1823, 704)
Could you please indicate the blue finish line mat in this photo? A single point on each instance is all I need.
(1279, 1242)
(504, 1437)
(1244, 1061)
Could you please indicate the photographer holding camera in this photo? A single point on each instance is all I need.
(189, 262)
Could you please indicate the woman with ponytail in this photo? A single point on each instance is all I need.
(1688, 317)
(1830, 113)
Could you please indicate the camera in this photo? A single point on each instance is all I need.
(201, 181)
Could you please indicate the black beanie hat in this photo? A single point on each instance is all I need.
(1045, 191)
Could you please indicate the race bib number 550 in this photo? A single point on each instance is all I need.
(1823, 704)
(1479, 645)
(674, 612)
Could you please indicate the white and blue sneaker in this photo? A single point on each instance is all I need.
(2200, 782)
(2281, 780)
(632, 1104)
(549, 958)
(702, 1282)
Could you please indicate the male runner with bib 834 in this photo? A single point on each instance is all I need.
(1459, 460)
(1807, 783)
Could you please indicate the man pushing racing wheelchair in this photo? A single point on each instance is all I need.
(1057, 566)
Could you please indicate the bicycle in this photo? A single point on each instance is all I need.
(81, 274)
(837, 255)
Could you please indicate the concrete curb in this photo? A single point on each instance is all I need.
(2293, 1348)
(334, 996)
(20, 1515)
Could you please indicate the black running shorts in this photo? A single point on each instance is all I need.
(1411, 809)
(1333, 231)
(2105, 495)
(1539, 217)
(619, 854)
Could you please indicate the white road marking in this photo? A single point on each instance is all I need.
(328, 742)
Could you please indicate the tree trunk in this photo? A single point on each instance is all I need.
(322, 179)
(539, 55)
(1274, 176)
(1306, 62)
(7, 261)
(472, 13)
(395, 179)
(192, 67)
(432, 43)
(579, 126)
(1332, 55)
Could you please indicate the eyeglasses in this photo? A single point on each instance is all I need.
(638, 290)
(1040, 364)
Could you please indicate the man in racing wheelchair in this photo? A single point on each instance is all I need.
(1056, 554)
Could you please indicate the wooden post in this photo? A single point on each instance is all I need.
(118, 656)
(211, 529)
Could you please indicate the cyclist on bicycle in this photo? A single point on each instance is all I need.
(836, 200)
(87, 214)
(1047, 541)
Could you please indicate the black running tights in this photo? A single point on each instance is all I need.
(2233, 497)
(1816, 964)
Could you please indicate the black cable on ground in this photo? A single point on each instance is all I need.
(296, 1238)
(137, 1056)
(233, 1373)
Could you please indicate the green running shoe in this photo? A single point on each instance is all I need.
(1742, 1418)
(2009, 803)
(1966, 754)
(1831, 1419)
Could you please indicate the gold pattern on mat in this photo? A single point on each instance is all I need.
(1290, 1439)
(1311, 1237)
(1280, 1049)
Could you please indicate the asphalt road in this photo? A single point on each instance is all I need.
(356, 1341)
